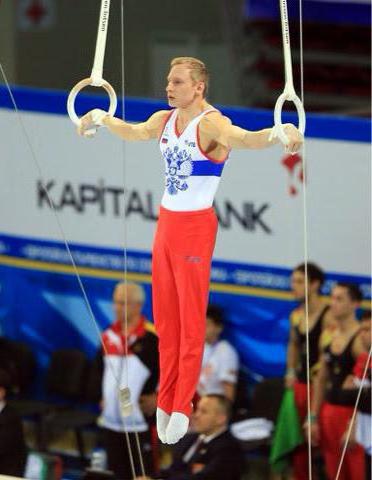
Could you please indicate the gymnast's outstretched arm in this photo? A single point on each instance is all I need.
(127, 131)
(219, 128)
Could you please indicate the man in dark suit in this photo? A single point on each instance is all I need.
(211, 453)
(12, 444)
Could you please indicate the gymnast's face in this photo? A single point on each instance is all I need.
(181, 89)
(298, 286)
(342, 305)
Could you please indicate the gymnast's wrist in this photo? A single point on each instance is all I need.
(106, 120)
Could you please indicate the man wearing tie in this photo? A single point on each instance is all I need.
(211, 453)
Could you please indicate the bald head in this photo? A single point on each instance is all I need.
(128, 300)
(132, 291)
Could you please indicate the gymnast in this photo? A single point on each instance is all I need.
(195, 140)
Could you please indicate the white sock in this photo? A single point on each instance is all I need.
(177, 427)
(162, 420)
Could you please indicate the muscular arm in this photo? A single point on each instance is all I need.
(292, 359)
(128, 131)
(217, 128)
(358, 347)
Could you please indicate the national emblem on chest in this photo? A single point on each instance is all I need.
(178, 167)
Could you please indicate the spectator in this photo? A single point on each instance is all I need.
(12, 443)
(361, 430)
(211, 453)
(329, 414)
(220, 361)
(320, 320)
(139, 371)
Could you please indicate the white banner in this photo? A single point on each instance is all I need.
(260, 222)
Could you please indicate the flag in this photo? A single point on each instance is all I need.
(287, 435)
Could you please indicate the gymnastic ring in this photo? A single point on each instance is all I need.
(85, 83)
(279, 130)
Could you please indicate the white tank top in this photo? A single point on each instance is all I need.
(191, 178)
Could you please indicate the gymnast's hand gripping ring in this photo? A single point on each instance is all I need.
(278, 128)
(85, 83)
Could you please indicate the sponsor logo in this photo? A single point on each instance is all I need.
(192, 259)
(111, 200)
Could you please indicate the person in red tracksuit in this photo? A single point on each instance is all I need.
(330, 414)
(195, 140)
(320, 327)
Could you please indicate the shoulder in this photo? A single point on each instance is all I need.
(213, 121)
(357, 347)
(155, 124)
(160, 116)
(295, 317)
(108, 333)
(328, 327)
(149, 339)
(150, 328)
(225, 347)
(9, 414)
(327, 317)
(225, 441)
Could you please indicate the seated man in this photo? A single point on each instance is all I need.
(12, 443)
(211, 453)
(220, 361)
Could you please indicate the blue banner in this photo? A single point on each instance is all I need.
(41, 301)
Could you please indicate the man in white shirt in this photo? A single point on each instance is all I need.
(220, 365)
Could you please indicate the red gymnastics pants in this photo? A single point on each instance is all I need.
(181, 264)
(333, 423)
(300, 457)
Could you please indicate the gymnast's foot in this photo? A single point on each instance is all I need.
(177, 427)
(162, 420)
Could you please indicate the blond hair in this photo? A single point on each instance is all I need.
(198, 70)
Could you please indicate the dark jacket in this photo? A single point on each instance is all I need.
(220, 459)
(12, 443)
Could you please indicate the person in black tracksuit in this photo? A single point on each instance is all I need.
(12, 444)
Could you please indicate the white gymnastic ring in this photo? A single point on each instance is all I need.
(278, 116)
(85, 83)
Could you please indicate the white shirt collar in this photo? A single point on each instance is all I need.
(209, 438)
